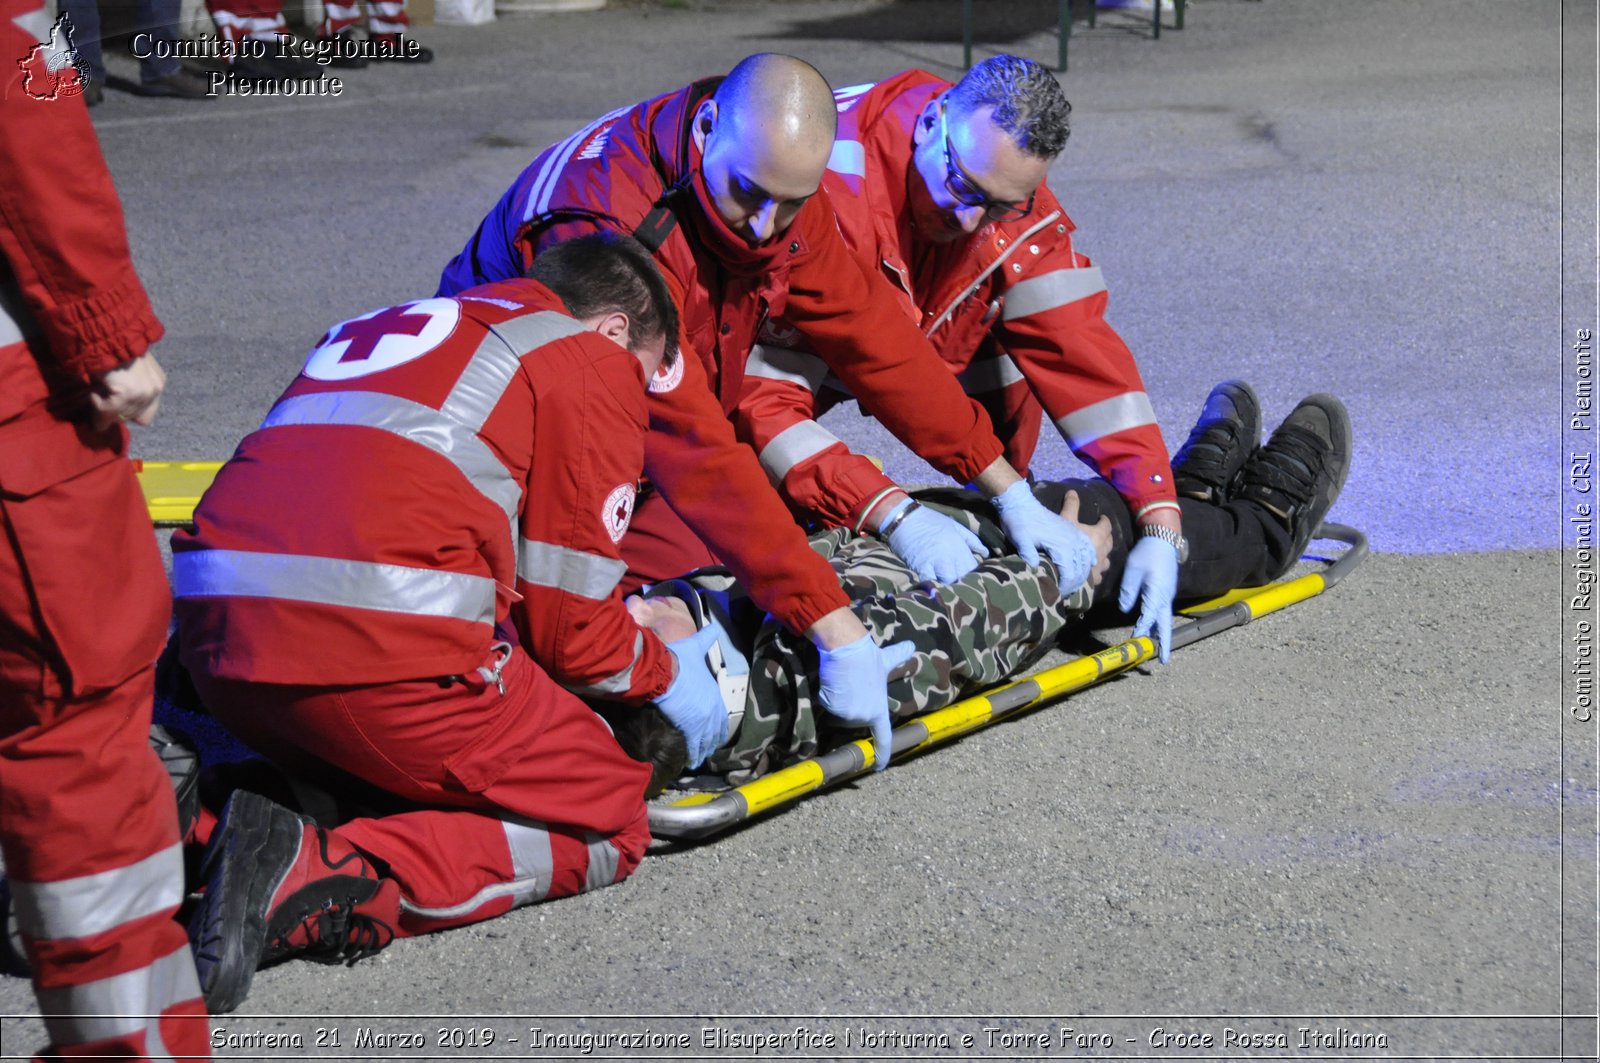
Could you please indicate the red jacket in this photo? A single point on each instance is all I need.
(437, 468)
(609, 175)
(71, 309)
(1014, 311)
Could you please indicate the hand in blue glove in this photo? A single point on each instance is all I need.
(693, 701)
(1151, 575)
(855, 688)
(937, 547)
(1034, 528)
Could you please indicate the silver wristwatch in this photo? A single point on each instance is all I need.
(1166, 534)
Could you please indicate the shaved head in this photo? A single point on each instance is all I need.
(766, 135)
(785, 97)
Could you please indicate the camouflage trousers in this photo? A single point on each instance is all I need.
(969, 635)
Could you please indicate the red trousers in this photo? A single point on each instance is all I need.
(88, 824)
(531, 796)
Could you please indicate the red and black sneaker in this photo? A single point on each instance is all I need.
(277, 887)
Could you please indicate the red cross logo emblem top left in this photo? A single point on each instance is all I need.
(383, 339)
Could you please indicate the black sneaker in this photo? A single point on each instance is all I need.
(277, 887)
(183, 768)
(13, 957)
(1207, 466)
(273, 69)
(343, 50)
(1301, 470)
(178, 85)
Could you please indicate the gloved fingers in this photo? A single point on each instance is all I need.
(1027, 552)
(1132, 580)
(1164, 635)
(974, 543)
(882, 740)
(951, 567)
(701, 641)
(1144, 625)
(896, 654)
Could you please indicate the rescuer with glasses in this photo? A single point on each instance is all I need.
(941, 188)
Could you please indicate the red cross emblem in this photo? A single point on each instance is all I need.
(365, 335)
(383, 340)
(617, 510)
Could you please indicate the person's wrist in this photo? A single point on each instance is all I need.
(1170, 536)
(1161, 514)
(836, 629)
(882, 508)
(897, 517)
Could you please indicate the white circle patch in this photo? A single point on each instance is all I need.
(667, 377)
(382, 339)
(618, 510)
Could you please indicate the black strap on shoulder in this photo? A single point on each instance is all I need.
(657, 225)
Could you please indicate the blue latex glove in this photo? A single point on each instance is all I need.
(855, 688)
(1151, 576)
(693, 701)
(937, 547)
(1033, 529)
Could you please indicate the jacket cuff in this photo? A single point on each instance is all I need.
(801, 612)
(109, 329)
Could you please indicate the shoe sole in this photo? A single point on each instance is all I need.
(237, 895)
(1339, 436)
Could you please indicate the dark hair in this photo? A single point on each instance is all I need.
(606, 272)
(645, 734)
(1027, 100)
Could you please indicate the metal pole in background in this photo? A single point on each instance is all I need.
(1063, 33)
(966, 34)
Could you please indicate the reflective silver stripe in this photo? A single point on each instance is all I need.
(93, 904)
(333, 581)
(423, 425)
(849, 157)
(544, 185)
(496, 361)
(533, 868)
(792, 446)
(989, 374)
(566, 569)
(619, 683)
(1050, 290)
(781, 363)
(603, 861)
(122, 1004)
(1129, 410)
(531, 858)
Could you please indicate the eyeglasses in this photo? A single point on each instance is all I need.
(966, 191)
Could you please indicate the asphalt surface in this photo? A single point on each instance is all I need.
(1372, 814)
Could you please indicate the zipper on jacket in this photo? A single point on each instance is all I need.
(996, 264)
